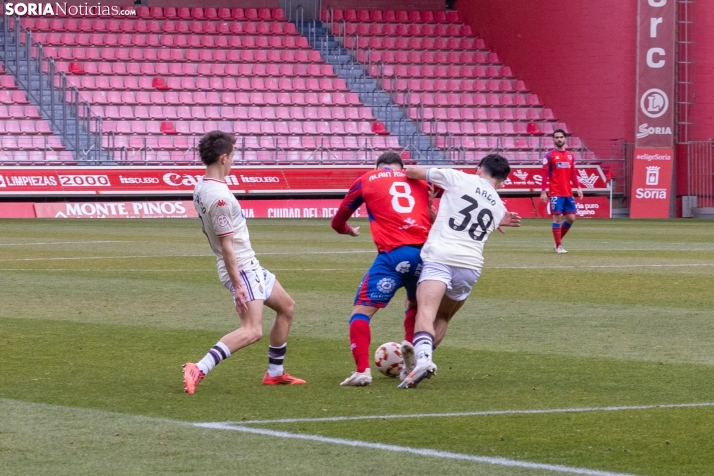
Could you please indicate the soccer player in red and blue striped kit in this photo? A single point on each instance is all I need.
(399, 212)
(559, 177)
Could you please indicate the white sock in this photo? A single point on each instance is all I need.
(276, 355)
(215, 355)
(423, 348)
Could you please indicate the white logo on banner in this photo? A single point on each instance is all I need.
(589, 180)
(645, 130)
(2, 181)
(652, 175)
(521, 174)
(654, 103)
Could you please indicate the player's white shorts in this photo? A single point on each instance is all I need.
(459, 281)
(258, 281)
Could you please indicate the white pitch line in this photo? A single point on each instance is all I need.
(674, 265)
(182, 256)
(415, 451)
(481, 413)
(62, 243)
(171, 270)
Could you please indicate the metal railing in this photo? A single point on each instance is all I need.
(700, 172)
(58, 101)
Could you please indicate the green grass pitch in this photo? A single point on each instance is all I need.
(97, 316)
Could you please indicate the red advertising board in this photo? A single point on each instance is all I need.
(587, 207)
(651, 183)
(655, 74)
(652, 171)
(146, 181)
(324, 208)
(17, 210)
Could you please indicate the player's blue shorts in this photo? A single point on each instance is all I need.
(389, 272)
(562, 205)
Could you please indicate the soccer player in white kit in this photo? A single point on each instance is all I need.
(238, 269)
(469, 211)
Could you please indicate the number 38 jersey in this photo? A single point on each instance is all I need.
(398, 207)
(469, 211)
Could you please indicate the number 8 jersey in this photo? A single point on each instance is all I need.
(469, 211)
(398, 208)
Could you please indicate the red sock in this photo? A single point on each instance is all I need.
(409, 321)
(564, 229)
(557, 234)
(360, 337)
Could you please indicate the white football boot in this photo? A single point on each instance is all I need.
(358, 379)
(419, 373)
(409, 358)
(560, 250)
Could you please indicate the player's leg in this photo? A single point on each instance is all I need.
(429, 294)
(569, 211)
(462, 282)
(279, 301)
(410, 286)
(360, 339)
(447, 308)
(378, 286)
(407, 347)
(249, 332)
(556, 208)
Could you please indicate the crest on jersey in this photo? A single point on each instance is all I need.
(223, 221)
(386, 285)
(403, 267)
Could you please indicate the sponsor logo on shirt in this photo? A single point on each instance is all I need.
(403, 267)
(386, 285)
(223, 221)
(221, 203)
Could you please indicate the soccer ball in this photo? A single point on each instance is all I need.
(388, 359)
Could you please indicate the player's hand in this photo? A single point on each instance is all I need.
(580, 192)
(240, 296)
(543, 197)
(432, 193)
(354, 231)
(509, 219)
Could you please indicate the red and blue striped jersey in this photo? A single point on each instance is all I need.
(398, 208)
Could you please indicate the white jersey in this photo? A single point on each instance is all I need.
(469, 211)
(221, 215)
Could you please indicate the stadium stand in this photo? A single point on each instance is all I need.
(336, 91)
(447, 82)
(25, 137)
(161, 81)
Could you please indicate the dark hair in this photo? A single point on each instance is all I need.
(389, 158)
(495, 166)
(561, 131)
(213, 145)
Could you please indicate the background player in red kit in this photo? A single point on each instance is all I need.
(559, 176)
(399, 216)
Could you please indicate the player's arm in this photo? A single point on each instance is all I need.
(544, 181)
(240, 293)
(575, 180)
(417, 173)
(509, 219)
(348, 206)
